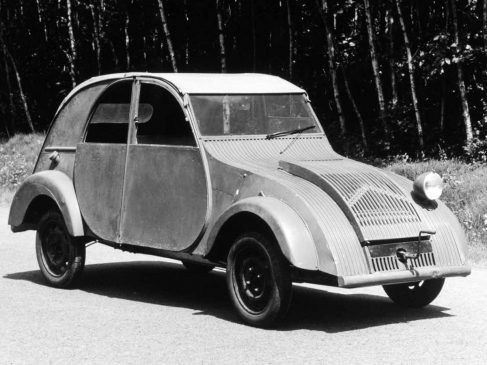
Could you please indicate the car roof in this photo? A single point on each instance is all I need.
(209, 83)
(205, 83)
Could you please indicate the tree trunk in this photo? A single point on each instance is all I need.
(41, 21)
(291, 39)
(442, 106)
(375, 65)
(356, 110)
(73, 55)
(7, 79)
(96, 38)
(390, 22)
(484, 71)
(9, 89)
(412, 83)
(127, 41)
(331, 66)
(19, 84)
(221, 38)
(461, 82)
(144, 52)
(186, 43)
(167, 34)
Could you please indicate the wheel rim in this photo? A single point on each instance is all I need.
(55, 248)
(253, 277)
(414, 286)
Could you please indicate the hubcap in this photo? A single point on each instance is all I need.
(253, 278)
(55, 248)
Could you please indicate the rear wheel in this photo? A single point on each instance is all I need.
(258, 280)
(416, 294)
(61, 257)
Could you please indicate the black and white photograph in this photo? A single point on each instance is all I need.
(243, 182)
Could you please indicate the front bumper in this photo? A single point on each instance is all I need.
(403, 276)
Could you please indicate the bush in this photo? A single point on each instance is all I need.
(465, 194)
(17, 158)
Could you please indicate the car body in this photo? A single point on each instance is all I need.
(229, 170)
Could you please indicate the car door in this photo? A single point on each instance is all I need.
(100, 160)
(165, 195)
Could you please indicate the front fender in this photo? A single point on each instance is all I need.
(291, 232)
(55, 185)
(450, 236)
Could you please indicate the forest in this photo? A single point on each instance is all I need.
(385, 77)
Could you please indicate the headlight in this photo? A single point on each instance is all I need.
(428, 185)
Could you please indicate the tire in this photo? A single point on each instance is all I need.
(197, 268)
(415, 295)
(258, 280)
(61, 257)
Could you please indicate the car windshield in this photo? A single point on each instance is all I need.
(219, 115)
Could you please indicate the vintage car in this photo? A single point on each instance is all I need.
(233, 171)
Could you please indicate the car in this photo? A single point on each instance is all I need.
(231, 171)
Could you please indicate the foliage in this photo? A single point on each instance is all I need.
(465, 194)
(17, 158)
(281, 37)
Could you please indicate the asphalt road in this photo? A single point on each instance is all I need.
(139, 309)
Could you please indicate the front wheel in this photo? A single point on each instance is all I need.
(415, 295)
(61, 257)
(258, 280)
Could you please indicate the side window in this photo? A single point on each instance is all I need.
(161, 119)
(109, 122)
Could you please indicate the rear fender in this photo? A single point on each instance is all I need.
(51, 184)
(289, 229)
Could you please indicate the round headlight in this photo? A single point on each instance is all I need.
(428, 185)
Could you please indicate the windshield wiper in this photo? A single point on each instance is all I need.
(289, 132)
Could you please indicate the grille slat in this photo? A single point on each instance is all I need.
(391, 263)
(373, 201)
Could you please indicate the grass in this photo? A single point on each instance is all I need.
(465, 191)
(465, 194)
(17, 158)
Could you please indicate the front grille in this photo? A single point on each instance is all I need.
(391, 263)
(372, 199)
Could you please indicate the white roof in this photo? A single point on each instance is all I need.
(206, 83)
(209, 83)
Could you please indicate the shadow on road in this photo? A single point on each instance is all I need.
(170, 284)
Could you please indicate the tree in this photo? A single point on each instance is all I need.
(72, 44)
(332, 67)
(167, 34)
(221, 37)
(375, 64)
(461, 82)
(412, 83)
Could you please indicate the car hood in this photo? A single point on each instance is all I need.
(374, 204)
(376, 207)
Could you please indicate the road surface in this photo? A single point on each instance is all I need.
(136, 309)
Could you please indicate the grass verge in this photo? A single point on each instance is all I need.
(465, 194)
(17, 158)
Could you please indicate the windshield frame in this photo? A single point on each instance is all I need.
(319, 131)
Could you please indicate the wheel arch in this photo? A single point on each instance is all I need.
(41, 192)
(269, 216)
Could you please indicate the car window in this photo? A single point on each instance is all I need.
(251, 114)
(166, 123)
(110, 119)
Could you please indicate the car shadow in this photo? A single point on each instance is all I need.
(170, 284)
